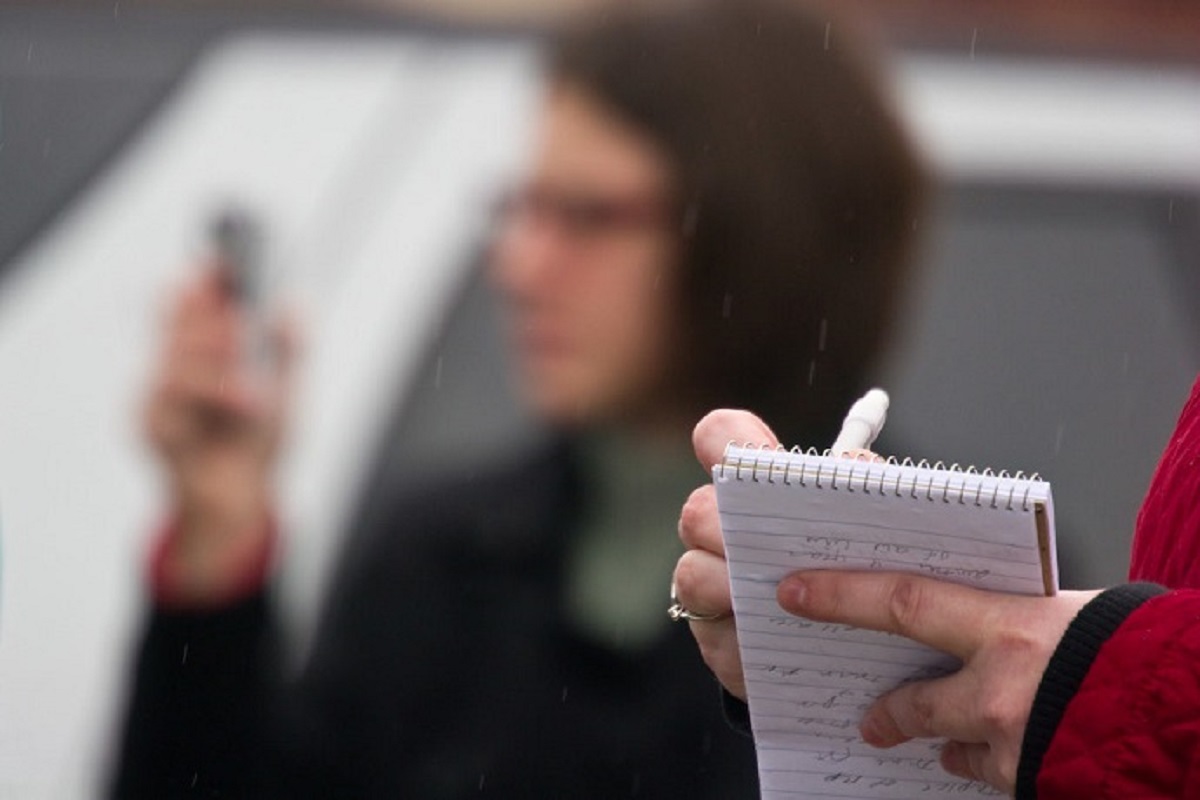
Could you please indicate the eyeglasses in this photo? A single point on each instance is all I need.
(582, 214)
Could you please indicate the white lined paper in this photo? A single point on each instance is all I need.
(810, 682)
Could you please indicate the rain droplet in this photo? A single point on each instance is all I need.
(727, 306)
(564, 694)
(828, 29)
(974, 39)
(1058, 438)
(812, 371)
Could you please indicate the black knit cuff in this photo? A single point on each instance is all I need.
(1069, 665)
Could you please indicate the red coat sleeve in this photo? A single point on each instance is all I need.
(1166, 542)
(1132, 728)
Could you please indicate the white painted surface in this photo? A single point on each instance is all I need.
(1049, 121)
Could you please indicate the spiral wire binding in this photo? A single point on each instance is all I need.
(773, 464)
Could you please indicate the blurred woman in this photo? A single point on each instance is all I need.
(716, 186)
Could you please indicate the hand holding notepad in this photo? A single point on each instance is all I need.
(810, 682)
(979, 714)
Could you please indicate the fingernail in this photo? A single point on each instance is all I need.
(870, 732)
(791, 593)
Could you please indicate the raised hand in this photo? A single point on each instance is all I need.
(216, 426)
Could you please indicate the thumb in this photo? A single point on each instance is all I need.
(718, 428)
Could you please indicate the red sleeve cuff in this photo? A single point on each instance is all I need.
(1132, 729)
(247, 578)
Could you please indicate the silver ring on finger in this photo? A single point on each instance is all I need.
(677, 612)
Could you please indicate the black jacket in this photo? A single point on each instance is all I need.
(443, 668)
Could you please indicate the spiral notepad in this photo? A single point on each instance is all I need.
(809, 683)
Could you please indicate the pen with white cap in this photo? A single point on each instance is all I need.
(863, 423)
